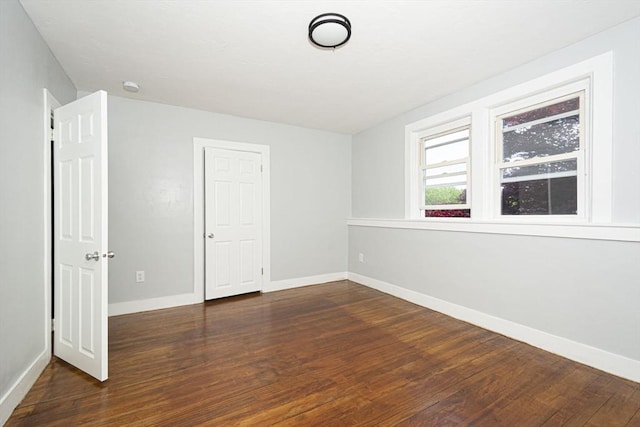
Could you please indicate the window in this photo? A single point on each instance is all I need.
(444, 167)
(536, 153)
(540, 158)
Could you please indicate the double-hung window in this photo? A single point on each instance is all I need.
(444, 164)
(541, 158)
(539, 153)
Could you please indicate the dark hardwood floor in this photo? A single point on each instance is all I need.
(326, 355)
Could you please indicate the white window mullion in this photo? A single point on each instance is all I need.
(453, 141)
(445, 175)
(447, 184)
(446, 163)
(539, 176)
(480, 166)
(539, 160)
(583, 199)
(446, 207)
(540, 121)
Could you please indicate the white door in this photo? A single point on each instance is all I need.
(233, 222)
(80, 234)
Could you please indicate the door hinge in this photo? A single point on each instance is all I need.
(52, 126)
(260, 168)
(262, 271)
(53, 325)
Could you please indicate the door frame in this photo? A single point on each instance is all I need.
(50, 103)
(199, 203)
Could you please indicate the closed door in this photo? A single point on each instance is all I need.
(233, 222)
(80, 234)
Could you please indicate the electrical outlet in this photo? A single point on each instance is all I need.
(361, 257)
(139, 276)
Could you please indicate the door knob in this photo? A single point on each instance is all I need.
(109, 254)
(94, 256)
(210, 235)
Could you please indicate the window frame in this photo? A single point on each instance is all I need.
(443, 130)
(578, 89)
(597, 74)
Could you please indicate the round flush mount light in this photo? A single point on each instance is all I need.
(130, 86)
(329, 30)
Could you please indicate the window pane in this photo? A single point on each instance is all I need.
(552, 170)
(557, 136)
(541, 140)
(450, 169)
(553, 196)
(444, 172)
(445, 195)
(446, 185)
(446, 138)
(447, 213)
(446, 153)
(540, 113)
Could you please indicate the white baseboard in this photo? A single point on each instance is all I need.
(138, 306)
(19, 389)
(600, 359)
(280, 285)
(128, 307)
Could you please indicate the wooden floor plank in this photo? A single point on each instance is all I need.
(619, 409)
(333, 354)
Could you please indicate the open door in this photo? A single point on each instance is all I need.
(80, 234)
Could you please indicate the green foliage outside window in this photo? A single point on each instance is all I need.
(444, 196)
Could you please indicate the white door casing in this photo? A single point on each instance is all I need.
(233, 222)
(80, 230)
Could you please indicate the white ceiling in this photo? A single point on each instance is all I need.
(253, 58)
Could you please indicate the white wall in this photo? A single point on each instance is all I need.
(26, 67)
(582, 291)
(151, 195)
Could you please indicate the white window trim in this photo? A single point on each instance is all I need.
(598, 70)
(569, 230)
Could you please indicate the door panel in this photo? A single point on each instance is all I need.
(80, 229)
(247, 268)
(233, 222)
(86, 296)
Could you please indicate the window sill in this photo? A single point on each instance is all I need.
(621, 233)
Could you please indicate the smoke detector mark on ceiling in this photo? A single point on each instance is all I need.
(130, 86)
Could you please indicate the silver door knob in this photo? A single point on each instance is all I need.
(94, 256)
(210, 235)
(109, 254)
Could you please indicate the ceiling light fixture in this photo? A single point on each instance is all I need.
(329, 30)
(130, 86)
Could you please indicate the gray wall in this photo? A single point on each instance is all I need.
(586, 291)
(26, 67)
(583, 290)
(378, 153)
(151, 195)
